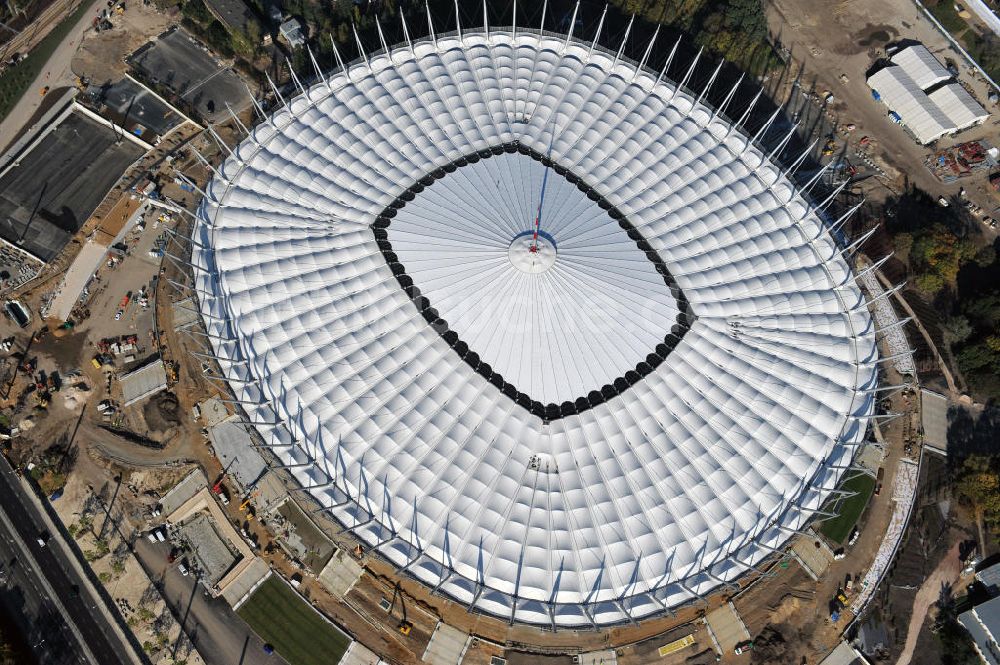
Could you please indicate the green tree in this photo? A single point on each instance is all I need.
(957, 329)
(196, 11)
(978, 484)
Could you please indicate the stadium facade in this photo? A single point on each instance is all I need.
(538, 325)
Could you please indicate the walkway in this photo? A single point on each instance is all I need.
(946, 573)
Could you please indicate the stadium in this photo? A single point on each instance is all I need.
(536, 324)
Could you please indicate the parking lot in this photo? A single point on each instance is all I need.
(134, 269)
(187, 68)
(54, 188)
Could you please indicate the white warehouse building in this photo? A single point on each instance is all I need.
(544, 330)
(922, 93)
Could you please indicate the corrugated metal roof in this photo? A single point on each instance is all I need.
(921, 66)
(902, 95)
(958, 105)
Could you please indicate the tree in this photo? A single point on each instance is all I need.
(902, 243)
(196, 11)
(978, 484)
(985, 257)
(957, 329)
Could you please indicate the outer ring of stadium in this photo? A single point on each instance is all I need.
(676, 482)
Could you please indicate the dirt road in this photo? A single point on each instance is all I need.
(945, 574)
(55, 73)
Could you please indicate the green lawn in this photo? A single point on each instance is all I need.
(294, 629)
(838, 528)
(945, 13)
(14, 82)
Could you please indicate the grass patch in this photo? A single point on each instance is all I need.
(944, 12)
(294, 629)
(849, 509)
(14, 82)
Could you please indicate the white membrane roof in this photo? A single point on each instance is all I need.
(674, 483)
(554, 333)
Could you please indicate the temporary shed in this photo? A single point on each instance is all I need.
(956, 103)
(921, 66)
(918, 112)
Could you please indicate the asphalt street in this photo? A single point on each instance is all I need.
(69, 588)
(29, 603)
(218, 633)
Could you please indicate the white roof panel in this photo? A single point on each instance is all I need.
(362, 270)
(920, 65)
(919, 113)
(959, 105)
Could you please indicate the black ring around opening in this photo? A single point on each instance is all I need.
(547, 412)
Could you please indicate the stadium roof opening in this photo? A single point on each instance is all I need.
(365, 279)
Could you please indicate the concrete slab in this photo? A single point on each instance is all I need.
(603, 657)
(727, 627)
(447, 646)
(870, 457)
(139, 384)
(340, 574)
(843, 654)
(190, 485)
(241, 586)
(204, 503)
(301, 536)
(233, 447)
(813, 554)
(359, 654)
(183, 312)
(76, 279)
(934, 420)
(209, 549)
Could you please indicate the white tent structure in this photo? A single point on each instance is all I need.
(921, 65)
(576, 411)
(901, 94)
(959, 105)
(918, 88)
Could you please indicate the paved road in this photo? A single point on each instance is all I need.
(70, 589)
(29, 602)
(219, 634)
(56, 72)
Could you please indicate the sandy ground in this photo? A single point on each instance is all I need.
(945, 574)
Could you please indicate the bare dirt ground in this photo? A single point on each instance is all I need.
(101, 57)
(830, 38)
